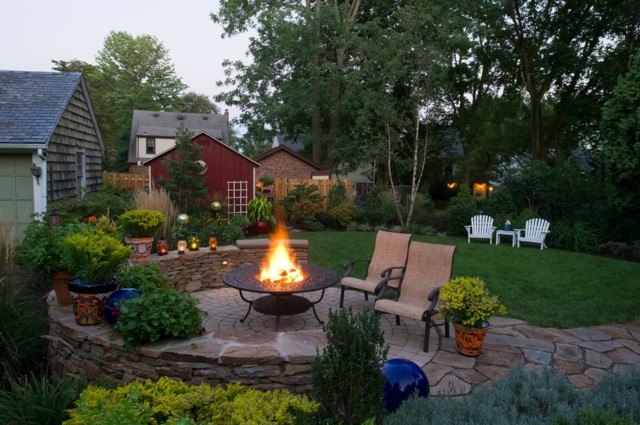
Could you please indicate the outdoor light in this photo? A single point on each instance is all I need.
(452, 185)
(182, 246)
(163, 247)
(213, 242)
(216, 206)
(36, 171)
(225, 263)
(182, 219)
(194, 243)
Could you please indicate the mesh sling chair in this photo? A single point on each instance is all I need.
(388, 259)
(428, 267)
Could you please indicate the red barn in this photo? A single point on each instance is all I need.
(227, 171)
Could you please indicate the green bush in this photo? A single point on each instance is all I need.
(337, 195)
(460, 210)
(574, 236)
(346, 377)
(315, 226)
(344, 214)
(94, 257)
(147, 277)
(158, 314)
(141, 223)
(530, 398)
(201, 226)
(379, 208)
(37, 400)
(304, 211)
(423, 210)
(169, 401)
(106, 202)
(327, 220)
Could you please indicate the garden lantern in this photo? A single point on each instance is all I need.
(182, 246)
(163, 247)
(194, 243)
(213, 242)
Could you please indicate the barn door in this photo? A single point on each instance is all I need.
(237, 197)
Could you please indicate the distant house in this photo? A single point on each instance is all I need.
(154, 132)
(50, 145)
(283, 162)
(225, 171)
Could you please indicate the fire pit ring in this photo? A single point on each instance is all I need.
(281, 299)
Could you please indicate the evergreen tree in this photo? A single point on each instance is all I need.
(185, 184)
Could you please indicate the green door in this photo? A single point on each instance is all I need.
(16, 190)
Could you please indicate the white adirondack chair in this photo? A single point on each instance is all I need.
(535, 231)
(481, 227)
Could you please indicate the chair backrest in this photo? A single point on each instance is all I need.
(482, 224)
(535, 227)
(429, 267)
(390, 250)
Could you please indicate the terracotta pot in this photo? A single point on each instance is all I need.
(89, 300)
(470, 340)
(141, 249)
(60, 280)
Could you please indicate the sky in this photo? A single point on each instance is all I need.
(35, 32)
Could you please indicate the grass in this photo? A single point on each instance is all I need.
(550, 288)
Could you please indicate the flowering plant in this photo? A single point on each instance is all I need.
(467, 302)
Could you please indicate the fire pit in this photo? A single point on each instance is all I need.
(281, 299)
(281, 278)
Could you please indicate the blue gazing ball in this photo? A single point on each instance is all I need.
(403, 378)
(112, 306)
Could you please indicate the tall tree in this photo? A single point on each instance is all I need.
(185, 184)
(140, 75)
(197, 103)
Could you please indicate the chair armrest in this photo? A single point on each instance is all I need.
(493, 229)
(349, 266)
(519, 232)
(433, 297)
(387, 272)
(468, 227)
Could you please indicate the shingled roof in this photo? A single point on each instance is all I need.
(165, 124)
(31, 104)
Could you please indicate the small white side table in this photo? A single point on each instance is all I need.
(512, 233)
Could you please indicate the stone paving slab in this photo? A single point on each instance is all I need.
(585, 355)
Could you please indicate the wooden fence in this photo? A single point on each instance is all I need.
(281, 188)
(125, 180)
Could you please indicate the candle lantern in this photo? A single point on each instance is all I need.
(162, 247)
(182, 246)
(194, 243)
(213, 242)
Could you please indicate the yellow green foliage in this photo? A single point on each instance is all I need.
(467, 302)
(344, 213)
(168, 401)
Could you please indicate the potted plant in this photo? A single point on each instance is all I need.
(468, 305)
(139, 227)
(260, 213)
(41, 251)
(93, 258)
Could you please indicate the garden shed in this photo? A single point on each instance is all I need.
(283, 162)
(226, 171)
(50, 144)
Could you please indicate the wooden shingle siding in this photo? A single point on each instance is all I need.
(74, 132)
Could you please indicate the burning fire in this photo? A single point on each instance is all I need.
(280, 266)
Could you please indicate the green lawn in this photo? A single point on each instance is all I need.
(546, 288)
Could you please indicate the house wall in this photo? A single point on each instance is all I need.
(223, 165)
(162, 145)
(283, 165)
(75, 132)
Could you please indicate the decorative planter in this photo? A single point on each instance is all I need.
(89, 300)
(261, 228)
(470, 340)
(60, 280)
(141, 249)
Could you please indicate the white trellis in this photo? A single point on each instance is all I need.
(237, 197)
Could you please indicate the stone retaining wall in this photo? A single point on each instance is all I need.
(203, 269)
(266, 361)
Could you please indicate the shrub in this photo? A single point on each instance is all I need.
(423, 210)
(141, 223)
(37, 400)
(620, 250)
(460, 210)
(315, 226)
(157, 199)
(379, 208)
(169, 401)
(327, 220)
(530, 398)
(574, 235)
(158, 314)
(302, 192)
(344, 214)
(337, 195)
(304, 211)
(94, 257)
(108, 201)
(466, 301)
(147, 277)
(346, 378)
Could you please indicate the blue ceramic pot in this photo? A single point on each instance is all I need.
(112, 308)
(402, 379)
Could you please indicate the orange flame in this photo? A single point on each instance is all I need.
(280, 266)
